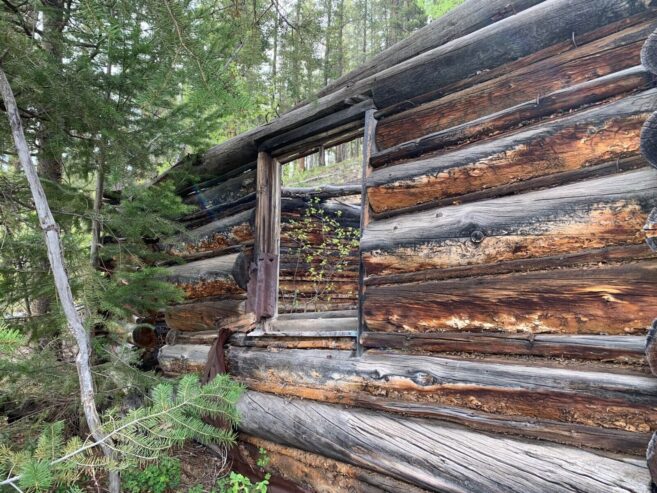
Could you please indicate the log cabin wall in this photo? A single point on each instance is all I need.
(507, 282)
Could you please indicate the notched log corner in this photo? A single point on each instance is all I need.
(651, 347)
(649, 140)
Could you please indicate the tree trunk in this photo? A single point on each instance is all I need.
(56, 257)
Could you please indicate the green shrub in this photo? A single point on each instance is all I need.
(155, 478)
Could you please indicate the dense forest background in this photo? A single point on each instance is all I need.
(111, 93)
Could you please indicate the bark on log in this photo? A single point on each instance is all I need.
(513, 115)
(585, 139)
(230, 231)
(649, 53)
(320, 474)
(651, 347)
(616, 349)
(203, 315)
(593, 214)
(612, 300)
(207, 278)
(433, 455)
(649, 140)
(566, 80)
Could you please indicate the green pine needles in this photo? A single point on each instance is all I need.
(175, 415)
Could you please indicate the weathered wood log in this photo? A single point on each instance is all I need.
(651, 457)
(315, 327)
(651, 347)
(294, 342)
(568, 79)
(547, 27)
(464, 19)
(223, 233)
(204, 315)
(223, 192)
(183, 358)
(585, 139)
(599, 213)
(649, 53)
(318, 315)
(520, 35)
(529, 112)
(206, 278)
(649, 140)
(320, 474)
(616, 349)
(321, 192)
(311, 145)
(611, 300)
(434, 455)
(222, 211)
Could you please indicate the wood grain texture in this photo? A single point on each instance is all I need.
(222, 233)
(599, 213)
(649, 53)
(318, 473)
(613, 300)
(649, 140)
(206, 278)
(435, 456)
(614, 349)
(585, 139)
(651, 458)
(603, 89)
(180, 359)
(566, 80)
(204, 315)
(651, 347)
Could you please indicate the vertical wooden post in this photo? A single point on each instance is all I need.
(263, 285)
(369, 146)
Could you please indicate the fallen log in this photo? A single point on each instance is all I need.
(591, 137)
(571, 78)
(207, 278)
(605, 300)
(204, 315)
(432, 455)
(431, 137)
(651, 347)
(604, 212)
(616, 349)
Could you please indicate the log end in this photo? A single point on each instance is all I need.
(651, 347)
(649, 140)
(649, 53)
(650, 230)
(651, 457)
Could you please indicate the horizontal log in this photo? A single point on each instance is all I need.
(224, 192)
(457, 460)
(219, 234)
(612, 300)
(287, 305)
(204, 216)
(325, 314)
(204, 315)
(651, 458)
(606, 88)
(585, 139)
(616, 349)
(527, 32)
(603, 212)
(572, 78)
(460, 21)
(183, 358)
(321, 192)
(320, 474)
(486, 396)
(310, 327)
(295, 342)
(206, 278)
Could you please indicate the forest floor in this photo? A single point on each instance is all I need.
(345, 172)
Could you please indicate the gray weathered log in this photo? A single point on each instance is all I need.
(321, 192)
(649, 53)
(651, 347)
(436, 456)
(651, 457)
(649, 140)
(206, 278)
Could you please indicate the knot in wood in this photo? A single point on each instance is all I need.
(477, 236)
(422, 378)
